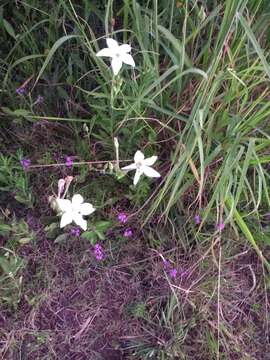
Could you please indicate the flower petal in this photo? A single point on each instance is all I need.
(87, 209)
(105, 52)
(64, 204)
(138, 157)
(79, 220)
(66, 219)
(127, 59)
(129, 167)
(116, 65)
(61, 186)
(137, 177)
(112, 44)
(150, 172)
(125, 48)
(77, 200)
(150, 161)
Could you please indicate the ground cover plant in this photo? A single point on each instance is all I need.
(134, 179)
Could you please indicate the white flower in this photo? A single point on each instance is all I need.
(74, 210)
(142, 166)
(119, 54)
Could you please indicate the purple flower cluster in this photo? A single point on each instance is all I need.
(166, 263)
(122, 217)
(69, 161)
(197, 219)
(173, 273)
(76, 231)
(20, 90)
(25, 163)
(128, 233)
(220, 226)
(98, 252)
(169, 269)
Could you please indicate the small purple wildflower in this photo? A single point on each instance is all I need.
(128, 233)
(40, 99)
(25, 163)
(197, 219)
(221, 226)
(75, 231)
(98, 252)
(173, 273)
(20, 90)
(122, 217)
(69, 161)
(166, 263)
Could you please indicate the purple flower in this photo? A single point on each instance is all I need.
(197, 219)
(69, 161)
(122, 217)
(173, 273)
(20, 90)
(25, 163)
(221, 226)
(166, 263)
(98, 252)
(40, 99)
(128, 233)
(75, 231)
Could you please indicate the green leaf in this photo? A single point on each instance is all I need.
(52, 230)
(21, 112)
(23, 200)
(61, 238)
(246, 231)
(9, 29)
(7, 110)
(100, 235)
(91, 236)
(5, 229)
(255, 43)
(102, 225)
(4, 263)
(17, 112)
(11, 265)
(176, 44)
(25, 240)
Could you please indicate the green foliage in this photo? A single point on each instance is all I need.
(11, 267)
(97, 231)
(14, 181)
(16, 232)
(139, 310)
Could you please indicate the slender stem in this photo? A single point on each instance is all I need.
(77, 163)
(116, 145)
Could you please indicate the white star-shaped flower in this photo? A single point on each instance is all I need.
(119, 54)
(142, 166)
(74, 210)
